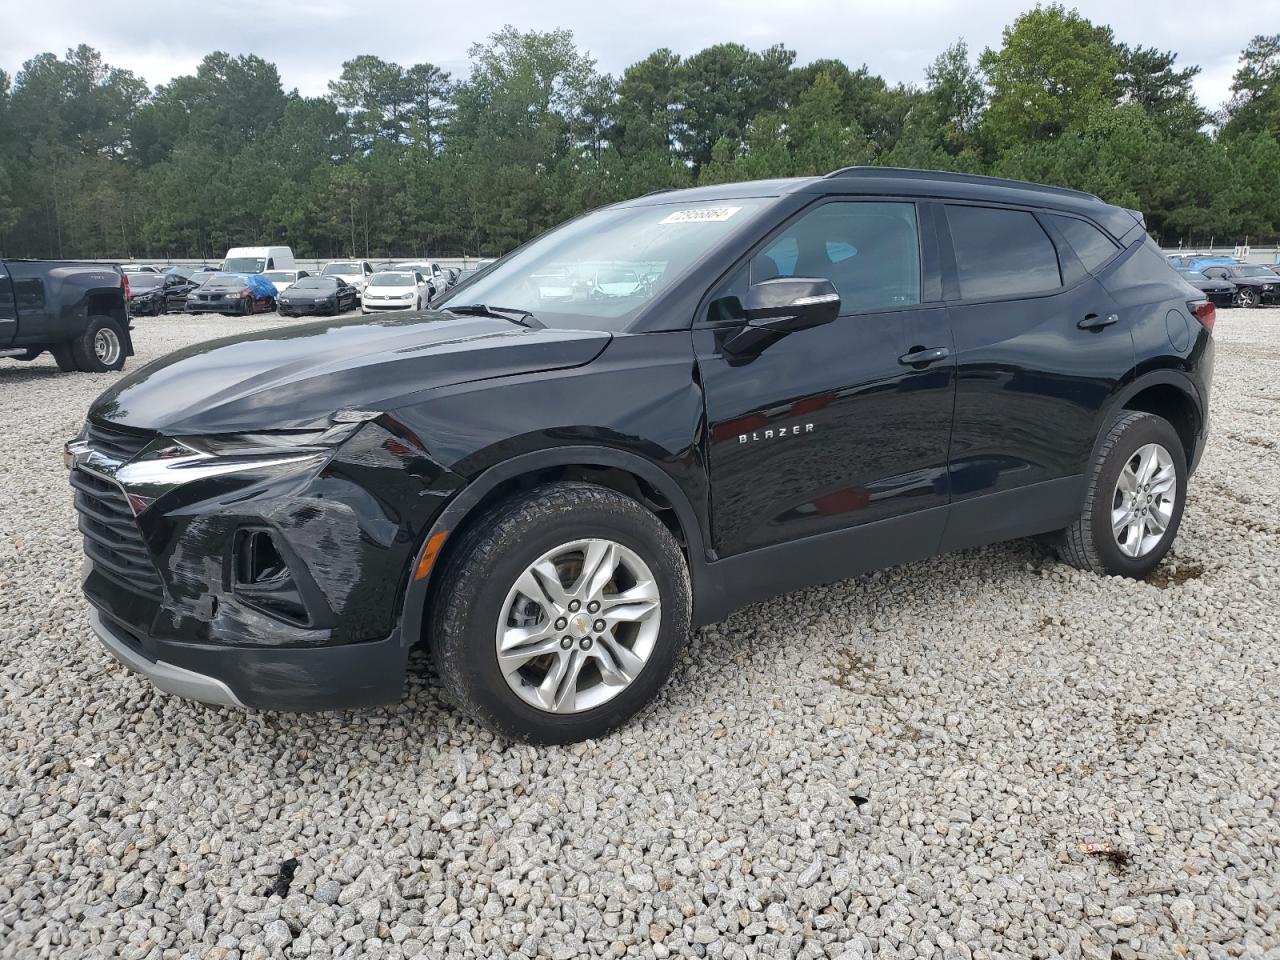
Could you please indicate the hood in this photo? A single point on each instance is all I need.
(295, 377)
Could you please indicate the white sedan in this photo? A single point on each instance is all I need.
(283, 279)
(395, 290)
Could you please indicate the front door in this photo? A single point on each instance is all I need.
(832, 427)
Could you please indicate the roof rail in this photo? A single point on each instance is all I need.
(905, 173)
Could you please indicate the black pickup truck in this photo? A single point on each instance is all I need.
(75, 310)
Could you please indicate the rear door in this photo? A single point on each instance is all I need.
(8, 309)
(830, 428)
(1040, 346)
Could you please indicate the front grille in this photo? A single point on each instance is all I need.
(118, 443)
(112, 539)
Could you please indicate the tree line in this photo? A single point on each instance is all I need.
(408, 160)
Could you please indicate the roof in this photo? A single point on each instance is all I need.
(897, 181)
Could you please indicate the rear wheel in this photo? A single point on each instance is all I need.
(560, 614)
(99, 348)
(1134, 499)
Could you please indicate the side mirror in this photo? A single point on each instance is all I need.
(775, 308)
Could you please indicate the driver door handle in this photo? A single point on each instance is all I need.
(923, 356)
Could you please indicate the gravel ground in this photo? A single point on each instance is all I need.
(904, 765)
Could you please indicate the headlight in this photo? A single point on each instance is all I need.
(342, 425)
(407, 296)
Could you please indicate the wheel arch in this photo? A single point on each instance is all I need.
(619, 470)
(1166, 393)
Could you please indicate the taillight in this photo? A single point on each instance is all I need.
(125, 277)
(1204, 311)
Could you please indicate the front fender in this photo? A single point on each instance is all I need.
(463, 505)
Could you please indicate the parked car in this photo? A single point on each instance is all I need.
(233, 294)
(1200, 261)
(257, 259)
(1222, 293)
(130, 268)
(354, 272)
(146, 293)
(821, 376)
(395, 290)
(435, 275)
(76, 311)
(283, 279)
(1254, 284)
(318, 295)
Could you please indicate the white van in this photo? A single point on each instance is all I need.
(258, 259)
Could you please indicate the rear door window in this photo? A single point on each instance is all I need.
(1001, 253)
(1091, 245)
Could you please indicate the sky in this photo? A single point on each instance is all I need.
(308, 42)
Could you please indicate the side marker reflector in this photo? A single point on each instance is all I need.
(429, 555)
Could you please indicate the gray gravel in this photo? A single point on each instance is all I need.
(904, 765)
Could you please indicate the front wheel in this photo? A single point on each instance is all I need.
(560, 614)
(1248, 297)
(1133, 503)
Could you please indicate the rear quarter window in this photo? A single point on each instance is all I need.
(1091, 245)
(1001, 253)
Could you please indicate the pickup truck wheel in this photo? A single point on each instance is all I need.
(1133, 502)
(99, 348)
(560, 613)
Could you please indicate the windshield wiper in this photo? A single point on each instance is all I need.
(514, 314)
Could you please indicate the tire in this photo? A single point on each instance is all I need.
(1091, 543)
(100, 348)
(1248, 297)
(474, 598)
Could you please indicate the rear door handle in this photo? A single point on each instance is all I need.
(1095, 322)
(923, 356)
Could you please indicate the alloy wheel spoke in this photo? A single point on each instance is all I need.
(599, 562)
(1128, 482)
(519, 653)
(1163, 480)
(1158, 520)
(618, 665)
(541, 584)
(631, 606)
(1120, 519)
(558, 691)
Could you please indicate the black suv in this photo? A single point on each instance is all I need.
(650, 416)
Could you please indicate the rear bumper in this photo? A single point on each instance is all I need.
(346, 676)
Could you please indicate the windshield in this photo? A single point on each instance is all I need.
(1252, 271)
(145, 281)
(316, 283)
(1193, 275)
(245, 264)
(279, 276)
(340, 269)
(599, 271)
(391, 280)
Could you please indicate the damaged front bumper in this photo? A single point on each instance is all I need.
(272, 581)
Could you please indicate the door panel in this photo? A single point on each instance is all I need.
(1031, 381)
(826, 429)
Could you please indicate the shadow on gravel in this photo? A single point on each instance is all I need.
(27, 373)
